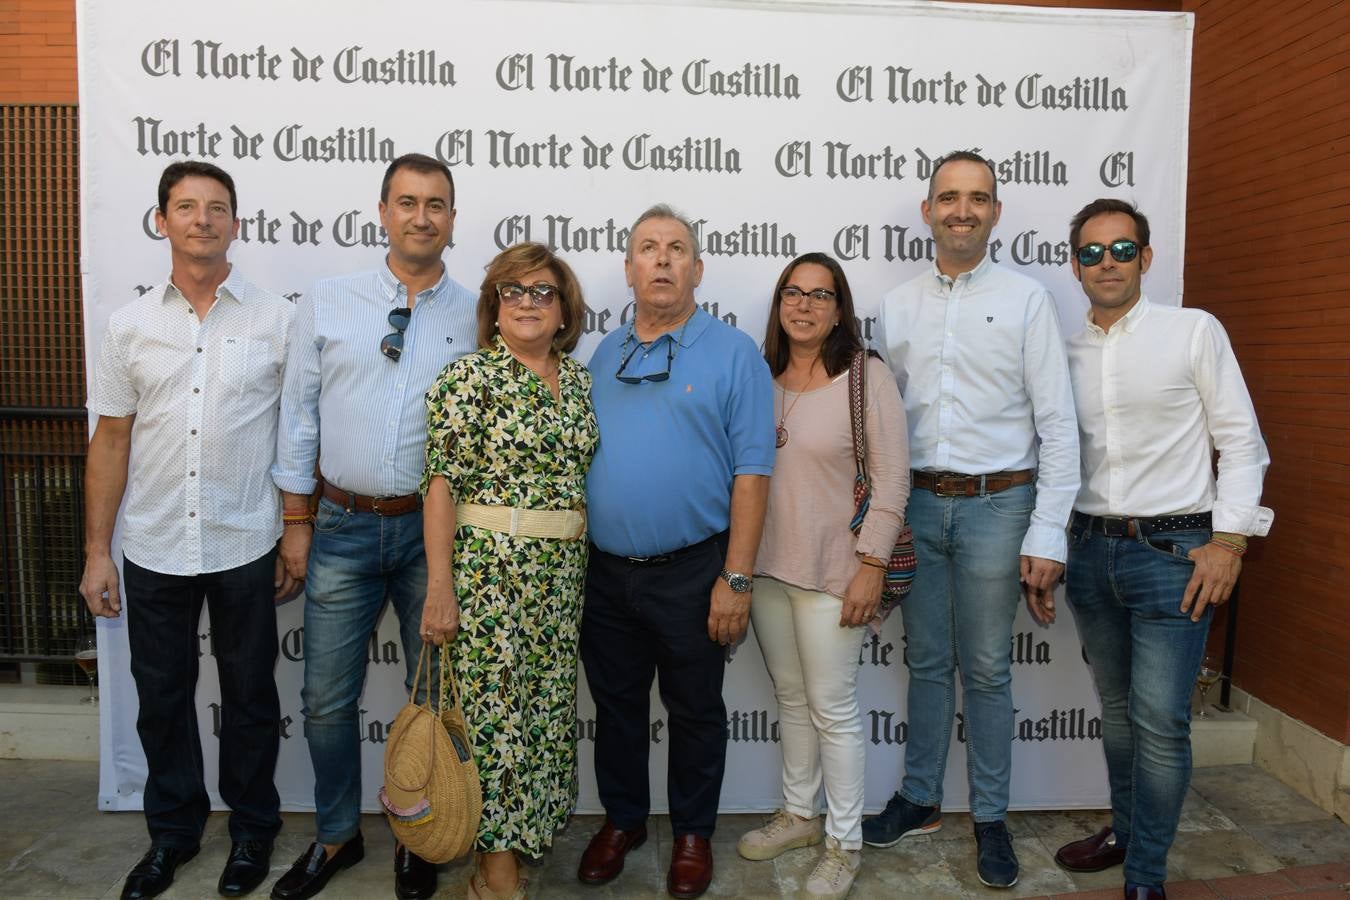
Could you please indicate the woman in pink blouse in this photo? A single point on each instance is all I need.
(817, 585)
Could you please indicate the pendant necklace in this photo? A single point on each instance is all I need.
(781, 432)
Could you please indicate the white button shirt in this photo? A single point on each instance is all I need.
(1156, 396)
(980, 363)
(205, 395)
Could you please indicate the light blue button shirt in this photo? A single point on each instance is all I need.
(363, 414)
(669, 450)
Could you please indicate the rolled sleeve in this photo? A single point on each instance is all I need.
(298, 428)
(1046, 372)
(1231, 418)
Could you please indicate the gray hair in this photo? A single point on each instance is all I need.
(663, 211)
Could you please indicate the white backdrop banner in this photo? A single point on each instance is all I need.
(780, 128)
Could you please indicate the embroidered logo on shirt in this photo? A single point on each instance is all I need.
(989, 318)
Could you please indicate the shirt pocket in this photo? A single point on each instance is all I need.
(248, 366)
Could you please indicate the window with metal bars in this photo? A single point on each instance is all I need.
(42, 390)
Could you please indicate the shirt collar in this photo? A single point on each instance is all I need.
(232, 287)
(393, 288)
(1130, 322)
(685, 334)
(975, 274)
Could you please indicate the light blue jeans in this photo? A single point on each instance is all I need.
(960, 612)
(357, 561)
(1145, 654)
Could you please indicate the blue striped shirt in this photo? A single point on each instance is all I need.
(360, 412)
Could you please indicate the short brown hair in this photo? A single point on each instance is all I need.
(1101, 207)
(519, 260)
(962, 156)
(416, 162)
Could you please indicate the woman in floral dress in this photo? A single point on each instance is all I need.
(511, 433)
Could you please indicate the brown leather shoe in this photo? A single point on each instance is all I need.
(603, 859)
(691, 867)
(1092, 854)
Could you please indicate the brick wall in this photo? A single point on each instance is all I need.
(1268, 229)
(37, 51)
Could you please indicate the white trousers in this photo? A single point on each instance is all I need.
(813, 662)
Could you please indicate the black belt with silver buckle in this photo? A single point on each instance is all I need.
(1128, 526)
(663, 558)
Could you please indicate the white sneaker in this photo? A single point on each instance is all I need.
(782, 832)
(834, 874)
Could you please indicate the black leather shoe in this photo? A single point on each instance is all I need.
(154, 873)
(414, 877)
(246, 868)
(313, 869)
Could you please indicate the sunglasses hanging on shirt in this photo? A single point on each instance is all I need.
(392, 344)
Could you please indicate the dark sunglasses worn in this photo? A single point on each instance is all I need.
(392, 344)
(541, 293)
(1121, 251)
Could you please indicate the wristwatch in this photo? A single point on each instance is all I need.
(737, 581)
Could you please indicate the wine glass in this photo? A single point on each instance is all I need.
(1208, 676)
(86, 657)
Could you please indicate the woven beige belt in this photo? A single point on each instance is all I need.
(563, 524)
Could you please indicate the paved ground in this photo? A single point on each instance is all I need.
(1243, 834)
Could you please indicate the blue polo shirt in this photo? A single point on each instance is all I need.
(661, 479)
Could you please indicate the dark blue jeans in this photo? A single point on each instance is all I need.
(1126, 593)
(163, 621)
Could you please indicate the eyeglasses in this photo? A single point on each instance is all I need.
(672, 341)
(392, 344)
(795, 296)
(655, 376)
(1121, 251)
(541, 292)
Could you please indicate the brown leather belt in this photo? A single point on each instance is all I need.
(380, 506)
(955, 484)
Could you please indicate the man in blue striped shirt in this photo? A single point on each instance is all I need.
(364, 349)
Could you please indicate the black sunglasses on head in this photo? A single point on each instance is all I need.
(391, 345)
(1121, 251)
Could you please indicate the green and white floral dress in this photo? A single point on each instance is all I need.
(499, 438)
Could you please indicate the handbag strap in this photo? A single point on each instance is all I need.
(431, 732)
(857, 409)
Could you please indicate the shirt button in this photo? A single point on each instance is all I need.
(192, 515)
(194, 431)
(196, 390)
(199, 349)
(192, 474)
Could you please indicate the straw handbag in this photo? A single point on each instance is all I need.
(431, 792)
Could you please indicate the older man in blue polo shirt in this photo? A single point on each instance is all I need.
(676, 498)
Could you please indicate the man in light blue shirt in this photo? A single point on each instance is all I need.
(364, 348)
(977, 353)
(675, 500)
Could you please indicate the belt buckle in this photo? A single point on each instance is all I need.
(377, 504)
(942, 486)
(1117, 526)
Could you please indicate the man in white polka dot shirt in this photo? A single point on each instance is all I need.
(186, 389)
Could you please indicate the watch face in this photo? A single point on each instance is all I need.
(738, 582)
